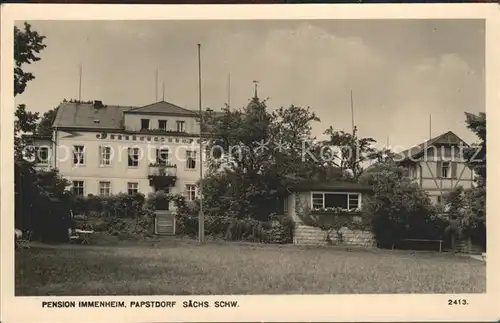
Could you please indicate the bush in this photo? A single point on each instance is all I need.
(399, 208)
(234, 229)
(137, 228)
(121, 205)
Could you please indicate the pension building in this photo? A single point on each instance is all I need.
(107, 149)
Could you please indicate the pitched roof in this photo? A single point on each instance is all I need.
(110, 117)
(162, 107)
(84, 115)
(446, 138)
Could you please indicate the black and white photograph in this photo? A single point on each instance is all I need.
(247, 157)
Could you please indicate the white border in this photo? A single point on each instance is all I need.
(253, 308)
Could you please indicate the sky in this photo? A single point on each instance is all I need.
(402, 73)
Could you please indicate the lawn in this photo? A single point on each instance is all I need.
(181, 268)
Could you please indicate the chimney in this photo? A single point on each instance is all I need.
(98, 104)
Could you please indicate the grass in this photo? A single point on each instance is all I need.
(180, 268)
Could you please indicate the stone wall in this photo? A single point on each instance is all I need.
(346, 236)
(308, 235)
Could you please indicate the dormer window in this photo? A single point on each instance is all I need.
(180, 126)
(162, 125)
(96, 121)
(144, 124)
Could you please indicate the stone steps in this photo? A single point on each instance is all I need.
(165, 226)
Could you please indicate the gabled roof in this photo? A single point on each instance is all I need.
(110, 117)
(446, 138)
(84, 115)
(162, 107)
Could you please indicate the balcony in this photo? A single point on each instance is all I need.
(162, 176)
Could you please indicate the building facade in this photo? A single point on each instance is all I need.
(439, 165)
(104, 150)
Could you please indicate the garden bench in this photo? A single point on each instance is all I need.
(23, 241)
(86, 236)
(429, 240)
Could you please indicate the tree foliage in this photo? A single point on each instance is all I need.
(44, 126)
(476, 155)
(399, 208)
(27, 45)
(260, 154)
(352, 151)
(41, 202)
(468, 207)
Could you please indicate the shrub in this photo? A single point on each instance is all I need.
(140, 227)
(121, 205)
(234, 229)
(399, 208)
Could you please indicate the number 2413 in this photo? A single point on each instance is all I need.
(457, 302)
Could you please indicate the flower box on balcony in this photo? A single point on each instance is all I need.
(162, 169)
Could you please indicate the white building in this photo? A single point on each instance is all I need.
(103, 149)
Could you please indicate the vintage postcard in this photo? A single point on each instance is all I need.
(248, 163)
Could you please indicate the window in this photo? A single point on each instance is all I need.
(190, 159)
(285, 205)
(438, 199)
(180, 126)
(144, 124)
(42, 155)
(78, 155)
(77, 188)
(133, 157)
(105, 156)
(105, 188)
(132, 188)
(413, 171)
(445, 170)
(191, 192)
(162, 124)
(335, 200)
(162, 156)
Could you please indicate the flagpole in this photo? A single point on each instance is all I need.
(430, 126)
(229, 89)
(352, 114)
(201, 218)
(80, 84)
(156, 86)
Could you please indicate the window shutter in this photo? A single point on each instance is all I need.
(439, 165)
(453, 170)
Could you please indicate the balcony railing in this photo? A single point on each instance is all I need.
(162, 170)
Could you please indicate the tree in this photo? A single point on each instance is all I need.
(27, 44)
(467, 210)
(476, 155)
(352, 150)
(44, 127)
(260, 154)
(468, 207)
(25, 122)
(35, 192)
(399, 208)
